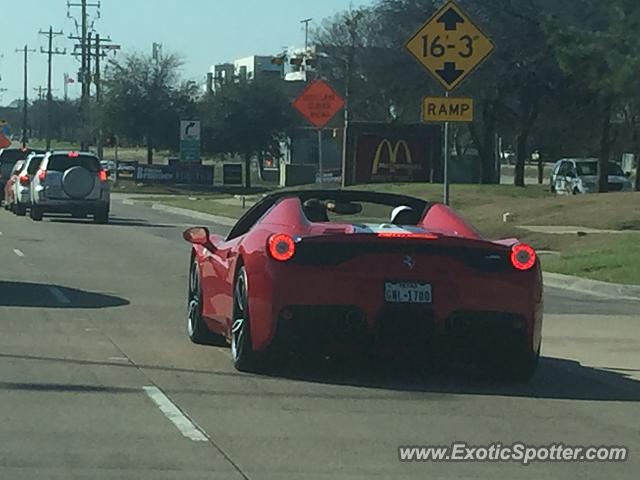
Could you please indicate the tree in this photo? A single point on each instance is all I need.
(247, 119)
(144, 100)
(601, 61)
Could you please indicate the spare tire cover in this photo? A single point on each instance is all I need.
(78, 182)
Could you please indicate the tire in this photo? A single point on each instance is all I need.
(197, 329)
(20, 209)
(101, 216)
(519, 369)
(244, 358)
(36, 213)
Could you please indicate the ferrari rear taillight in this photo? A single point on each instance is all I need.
(23, 179)
(281, 247)
(103, 175)
(42, 174)
(523, 257)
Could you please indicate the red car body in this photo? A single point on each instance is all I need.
(340, 273)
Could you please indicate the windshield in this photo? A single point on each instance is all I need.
(34, 164)
(61, 163)
(615, 169)
(587, 169)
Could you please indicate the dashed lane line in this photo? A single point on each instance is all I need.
(173, 413)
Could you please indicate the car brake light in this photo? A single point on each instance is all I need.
(281, 247)
(523, 257)
(73, 154)
(421, 236)
(103, 175)
(24, 179)
(42, 174)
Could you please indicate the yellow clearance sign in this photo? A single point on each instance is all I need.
(450, 46)
(451, 109)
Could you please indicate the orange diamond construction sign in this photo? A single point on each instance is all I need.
(319, 103)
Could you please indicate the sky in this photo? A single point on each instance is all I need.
(204, 32)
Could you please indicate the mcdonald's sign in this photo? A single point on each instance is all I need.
(382, 153)
(393, 150)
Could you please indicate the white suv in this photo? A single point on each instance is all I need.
(71, 182)
(572, 176)
(22, 185)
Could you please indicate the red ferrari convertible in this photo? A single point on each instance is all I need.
(309, 270)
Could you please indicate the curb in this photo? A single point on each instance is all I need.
(225, 221)
(592, 287)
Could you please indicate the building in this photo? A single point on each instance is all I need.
(257, 67)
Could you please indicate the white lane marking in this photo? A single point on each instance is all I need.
(0, 234)
(166, 406)
(61, 297)
(18, 252)
(128, 202)
(90, 329)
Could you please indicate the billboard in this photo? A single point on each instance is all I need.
(174, 174)
(381, 153)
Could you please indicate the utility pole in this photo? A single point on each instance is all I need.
(25, 102)
(306, 22)
(96, 79)
(50, 52)
(100, 48)
(89, 76)
(84, 69)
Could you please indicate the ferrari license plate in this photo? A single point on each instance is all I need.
(404, 292)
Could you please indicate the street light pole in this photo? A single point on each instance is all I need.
(306, 22)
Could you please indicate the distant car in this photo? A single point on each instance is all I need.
(108, 165)
(573, 176)
(126, 171)
(71, 182)
(306, 271)
(9, 197)
(22, 186)
(8, 158)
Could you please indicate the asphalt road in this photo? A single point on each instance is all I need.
(98, 379)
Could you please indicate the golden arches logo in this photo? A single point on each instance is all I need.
(393, 156)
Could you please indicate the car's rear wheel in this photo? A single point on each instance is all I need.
(244, 358)
(101, 216)
(36, 213)
(520, 368)
(20, 209)
(197, 329)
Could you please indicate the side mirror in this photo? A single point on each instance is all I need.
(627, 174)
(197, 236)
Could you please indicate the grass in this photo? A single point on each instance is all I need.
(607, 257)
